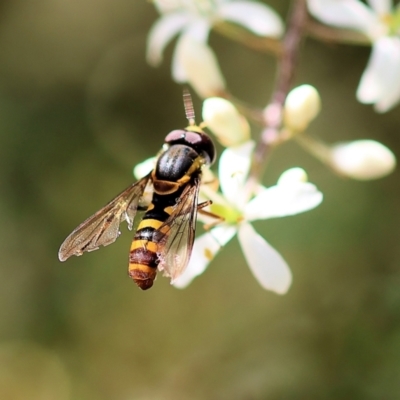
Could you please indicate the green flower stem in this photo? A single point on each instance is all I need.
(335, 35)
(316, 147)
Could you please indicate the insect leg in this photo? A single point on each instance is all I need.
(218, 219)
(203, 205)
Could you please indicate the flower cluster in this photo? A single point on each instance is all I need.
(193, 60)
(359, 159)
(237, 205)
(241, 198)
(380, 23)
(291, 195)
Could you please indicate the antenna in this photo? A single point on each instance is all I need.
(189, 109)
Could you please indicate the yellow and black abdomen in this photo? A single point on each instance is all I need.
(143, 258)
(175, 169)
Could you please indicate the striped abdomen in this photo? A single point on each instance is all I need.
(143, 259)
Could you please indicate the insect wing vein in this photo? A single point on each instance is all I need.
(102, 228)
(176, 235)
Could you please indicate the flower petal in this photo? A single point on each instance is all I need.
(380, 82)
(352, 14)
(144, 168)
(283, 200)
(178, 71)
(167, 6)
(256, 17)
(197, 30)
(267, 265)
(161, 33)
(381, 7)
(234, 165)
(204, 250)
(224, 120)
(196, 63)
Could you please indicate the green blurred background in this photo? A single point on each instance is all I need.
(79, 107)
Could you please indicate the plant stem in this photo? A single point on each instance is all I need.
(273, 113)
(317, 148)
(335, 35)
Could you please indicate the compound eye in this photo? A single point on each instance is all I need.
(193, 137)
(200, 142)
(175, 136)
(207, 146)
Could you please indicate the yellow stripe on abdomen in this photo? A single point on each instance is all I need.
(140, 267)
(144, 244)
(169, 210)
(149, 223)
(142, 275)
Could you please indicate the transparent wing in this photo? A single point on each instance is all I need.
(102, 228)
(176, 236)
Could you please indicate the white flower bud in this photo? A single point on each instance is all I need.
(362, 159)
(293, 175)
(144, 168)
(200, 67)
(222, 117)
(302, 105)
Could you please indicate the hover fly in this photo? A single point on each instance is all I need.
(165, 235)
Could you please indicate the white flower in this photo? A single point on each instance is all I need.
(225, 121)
(144, 168)
(194, 18)
(302, 105)
(363, 159)
(197, 64)
(290, 196)
(380, 82)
